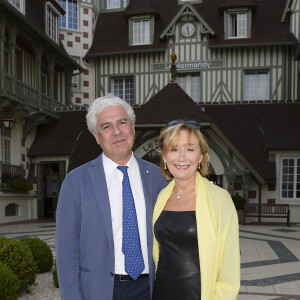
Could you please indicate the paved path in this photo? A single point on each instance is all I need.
(270, 257)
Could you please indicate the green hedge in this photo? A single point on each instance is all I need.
(19, 259)
(9, 283)
(239, 202)
(41, 252)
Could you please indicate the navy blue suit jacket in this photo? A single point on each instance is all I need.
(84, 235)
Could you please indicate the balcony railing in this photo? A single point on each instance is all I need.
(29, 95)
(8, 171)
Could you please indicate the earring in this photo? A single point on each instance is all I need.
(199, 166)
(165, 166)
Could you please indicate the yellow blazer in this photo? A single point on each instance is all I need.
(218, 239)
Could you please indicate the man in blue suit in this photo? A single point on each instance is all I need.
(89, 233)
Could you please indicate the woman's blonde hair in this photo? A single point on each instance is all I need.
(169, 138)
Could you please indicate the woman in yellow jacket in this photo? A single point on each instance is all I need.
(195, 225)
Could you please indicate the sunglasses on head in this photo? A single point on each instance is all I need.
(189, 123)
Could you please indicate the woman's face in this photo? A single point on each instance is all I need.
(183, 159)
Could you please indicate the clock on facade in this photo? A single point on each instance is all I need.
(188, 29)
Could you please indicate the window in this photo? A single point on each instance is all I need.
(190, 84)
(6, 145)
(45, 85)
(256, 85)
(52, 23)
(11, 210)
(19, 4)
(123, 88)
(237, 25)
(141, 32)
(6, 61)
(290, 178)
(113, 3)
(76, 75)
(70, 19)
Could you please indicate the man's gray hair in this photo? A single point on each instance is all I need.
(99, 104)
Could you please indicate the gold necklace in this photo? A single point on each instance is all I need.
(179, 195)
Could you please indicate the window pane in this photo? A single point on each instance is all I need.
(195, 94)
(181, 80)
(256, 86)
(113, 3)
(190, 84)
(124, 89)
(290, 178)
(237, 25)
(70, 19)
(141, 32)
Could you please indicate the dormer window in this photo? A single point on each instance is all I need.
(141, 32)
(19, 4)
(237, 23)
(52, 22)
(115, 4)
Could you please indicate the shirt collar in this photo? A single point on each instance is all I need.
(110, 166)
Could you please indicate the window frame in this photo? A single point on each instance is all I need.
(76, 79)
(256, 72)
(20, 7)
(122, 5)
(185, 1)
(112, 80)
(227, 22)
(53, 32)
(6, 139)
(189, 84)
(12, 210)
(296, 173)
(132, 21)
(67, 16)
(44, 84)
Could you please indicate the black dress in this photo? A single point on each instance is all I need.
(178, 271)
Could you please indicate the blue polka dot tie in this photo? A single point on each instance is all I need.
(131, 246)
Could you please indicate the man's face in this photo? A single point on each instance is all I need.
(115, 134)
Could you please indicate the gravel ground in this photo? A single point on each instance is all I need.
(42, 289)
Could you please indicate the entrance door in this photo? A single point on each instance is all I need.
(50, 177)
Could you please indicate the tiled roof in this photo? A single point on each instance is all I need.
(111, 33)
(169, 104)
(255, 129)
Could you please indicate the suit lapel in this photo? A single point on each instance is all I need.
(99, 186)
(147, 180)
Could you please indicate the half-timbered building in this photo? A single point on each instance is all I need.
(237, 74)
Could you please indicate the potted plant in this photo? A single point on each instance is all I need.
(239, 203)
(54, 205)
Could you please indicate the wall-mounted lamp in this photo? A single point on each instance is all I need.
(8, 122)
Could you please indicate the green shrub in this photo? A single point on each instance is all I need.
(9, 283)
(19, 259)
(20, 185)
(41, 252)
(239, 202)
(54, 276)
(54, 202)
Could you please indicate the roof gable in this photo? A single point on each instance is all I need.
(187, 9)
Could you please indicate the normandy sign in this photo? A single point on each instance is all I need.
(189, 65)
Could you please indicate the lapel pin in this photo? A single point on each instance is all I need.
(147, 171)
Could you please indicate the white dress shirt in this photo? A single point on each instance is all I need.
(114, 179)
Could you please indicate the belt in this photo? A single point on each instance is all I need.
(128, 278)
